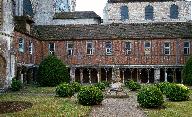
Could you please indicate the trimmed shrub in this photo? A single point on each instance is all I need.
(187, 72)
(76, 86)
(64, 90)
(52, 72)
(16, 85)
(90, 95)
(150, 96)
(107, 84)
(164, 87)
(178, 92)
(101, 86)
(132, 85)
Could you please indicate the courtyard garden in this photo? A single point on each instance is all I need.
(54, 95)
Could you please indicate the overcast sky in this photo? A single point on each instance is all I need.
(91, 5)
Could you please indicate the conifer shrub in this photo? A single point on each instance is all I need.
(187, 72)
(64, 90)
(132, 85)
(150, 96)
(16, 85)
(177, 92)
(52, 72)
(90, 95)
(76, 86)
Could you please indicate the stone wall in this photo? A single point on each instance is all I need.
(137, 12)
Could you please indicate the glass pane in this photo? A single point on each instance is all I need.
(186, 51)
(166, 44)
(89, 45)
(124, 12)
(127, 45)
(70, 45)
(149, 12)
(108, 45)
(186, 44)
(147, 45)
(174, 12)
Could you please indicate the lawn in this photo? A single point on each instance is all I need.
(45, 104)
(172, 109)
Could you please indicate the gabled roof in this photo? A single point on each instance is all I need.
(115, 31)
(77, 15)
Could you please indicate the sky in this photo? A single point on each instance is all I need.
(91, 5)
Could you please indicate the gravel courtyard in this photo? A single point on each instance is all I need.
(116, 107)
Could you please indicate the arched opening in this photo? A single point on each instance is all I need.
(174, 12)
(27, 8)
(148, 12)
(124, 12)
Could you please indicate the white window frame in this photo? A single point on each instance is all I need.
(69, 49)
(167, 48)
(108, 50)
(188, 48)
(128, 50)
(147, 49)
(30, 47)
(21, 45)
(50, 51)
(91, 49)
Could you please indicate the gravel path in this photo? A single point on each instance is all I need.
(127, 107)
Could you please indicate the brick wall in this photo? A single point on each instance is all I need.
(137, 56)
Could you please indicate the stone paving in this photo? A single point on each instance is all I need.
(116, 107)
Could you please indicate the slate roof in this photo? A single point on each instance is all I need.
(125, 1)
(115, 31)
(77, 15)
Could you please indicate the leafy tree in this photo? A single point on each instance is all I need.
(187, 72)
(52, 72)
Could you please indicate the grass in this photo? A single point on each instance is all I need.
(172, 109)
(45, 105)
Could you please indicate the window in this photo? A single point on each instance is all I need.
(174, 12)
(128, 48)
(90, 48)
(70, 48)
(52, 48)
(30, 47)
(108, 47)
(21, 45)
(148, 12)
(124, 12)
(147, 47)
(186, 48)
(62, 6)
(167, 48)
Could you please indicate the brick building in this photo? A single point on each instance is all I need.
(147, 41)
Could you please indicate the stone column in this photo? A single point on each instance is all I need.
(148, 70)
(72, 74)
(157, 75)
(106, 71)
(98, 75)
(81, 76)
(89, 70)
(165, 74)
(131, 73)
(123, 75)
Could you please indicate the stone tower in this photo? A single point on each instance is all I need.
(48, 8)
(7, 59)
